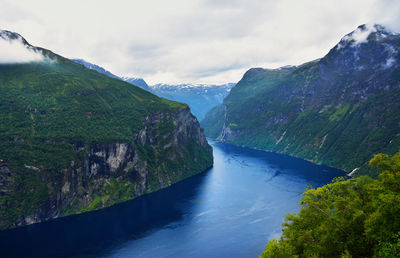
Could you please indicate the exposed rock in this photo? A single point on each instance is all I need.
(338, 110)
(120, 171)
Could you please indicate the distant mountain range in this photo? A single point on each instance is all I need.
(132, 80)
(200, 97)
(138, 82)
(338, 110)
(95, 67)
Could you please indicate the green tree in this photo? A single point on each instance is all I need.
(356, 217)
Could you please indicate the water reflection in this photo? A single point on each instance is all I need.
(95, 232)
(231, 210)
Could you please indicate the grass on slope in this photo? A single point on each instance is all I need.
(45, 106)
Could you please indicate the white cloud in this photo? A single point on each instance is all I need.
(360, 35)
(389, 62)
(14, 51)
(178, 41)
(387, 13)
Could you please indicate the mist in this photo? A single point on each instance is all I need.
(13, 51)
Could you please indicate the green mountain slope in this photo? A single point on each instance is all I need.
(338, 110)
(74, 140)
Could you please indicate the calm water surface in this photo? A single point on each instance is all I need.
(232, 210)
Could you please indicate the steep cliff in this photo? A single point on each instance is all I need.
(338, 110)
(74, 140)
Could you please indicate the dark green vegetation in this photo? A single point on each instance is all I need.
(338, 111)
(348, 218)
(74, 140)
(200, 98)
(63, 100)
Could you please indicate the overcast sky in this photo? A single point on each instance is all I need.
(199, 41)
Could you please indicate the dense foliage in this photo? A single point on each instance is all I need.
(357, 217)
(46, 108)
(53, 112)
(213, 121)
(338, 110)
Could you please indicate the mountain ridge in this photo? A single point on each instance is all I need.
(74, 140)
(338, 110)
(137, 81)
(132, 80)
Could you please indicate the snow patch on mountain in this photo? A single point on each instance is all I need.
(191, 86)
(138, 82)
(200, 97)
(391, 53)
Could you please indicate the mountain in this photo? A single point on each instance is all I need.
(338, 110)
(135, 81)
(200, 97)
(95, 67)
(74, 140)
(138, 82)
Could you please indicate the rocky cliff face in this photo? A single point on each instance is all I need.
(74, 140)
(338, 110)
(169, 147)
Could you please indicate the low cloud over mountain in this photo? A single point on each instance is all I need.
(13, 49)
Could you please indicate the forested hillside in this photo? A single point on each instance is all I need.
(338, 110)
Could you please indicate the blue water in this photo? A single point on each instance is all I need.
(232, 210)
